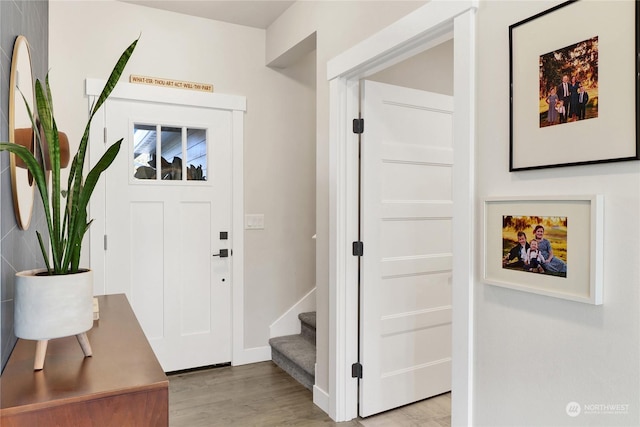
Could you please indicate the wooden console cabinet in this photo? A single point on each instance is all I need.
(122, 384)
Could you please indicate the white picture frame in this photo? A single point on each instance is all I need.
(578, 218)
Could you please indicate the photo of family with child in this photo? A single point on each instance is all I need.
(535, 244)
(568, 89)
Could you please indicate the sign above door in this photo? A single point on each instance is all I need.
(178, 84)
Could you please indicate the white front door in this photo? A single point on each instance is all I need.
(168, 207)
(405, 283)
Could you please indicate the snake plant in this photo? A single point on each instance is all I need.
(66, 226)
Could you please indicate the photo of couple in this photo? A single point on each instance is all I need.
(535, 244)
(568, 89)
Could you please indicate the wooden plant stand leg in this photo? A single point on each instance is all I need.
(83, 340)
(41, 351)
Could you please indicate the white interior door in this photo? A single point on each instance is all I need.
(168, 199)
(406, 209)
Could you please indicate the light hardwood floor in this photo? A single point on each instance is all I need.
(261, 394)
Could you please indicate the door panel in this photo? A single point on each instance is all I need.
(195, 256)
(147, 241)
(163, 221)
(406, 208)
(407, 237)
(397, 175)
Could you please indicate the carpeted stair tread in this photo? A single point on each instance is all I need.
(298, 350)
(296, 354)
(308, 326)
(308, 318)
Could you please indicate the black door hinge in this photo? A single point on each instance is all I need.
(358, 248)
(358, 126)
(356, 370)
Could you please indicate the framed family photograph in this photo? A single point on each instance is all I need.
(549, 246)
(574, 93)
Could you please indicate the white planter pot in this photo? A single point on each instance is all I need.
(48, 307)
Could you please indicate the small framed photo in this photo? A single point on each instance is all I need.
(549, 246)
(574, 93)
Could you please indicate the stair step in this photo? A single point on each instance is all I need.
(308, 318)
(296, 356)
(308, 326)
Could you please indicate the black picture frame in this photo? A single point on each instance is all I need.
(570, 39)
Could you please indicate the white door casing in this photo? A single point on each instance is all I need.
(426, 27)
(164, 207)
(405, 273)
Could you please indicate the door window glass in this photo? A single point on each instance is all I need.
(144, 151)
(171, 153)
(197, 154)
(169, 144)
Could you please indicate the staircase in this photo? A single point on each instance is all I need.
(296, 354)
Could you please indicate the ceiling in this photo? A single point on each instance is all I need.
(251, 13)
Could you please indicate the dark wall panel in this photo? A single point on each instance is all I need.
(19, 249)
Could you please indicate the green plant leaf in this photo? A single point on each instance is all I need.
(114, 77)
(49, 129)
(33, 166)
(44, 252)
(80, 226)
(66, 228)
(76, 202)
(34, 127)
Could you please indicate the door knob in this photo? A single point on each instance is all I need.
(224, 253)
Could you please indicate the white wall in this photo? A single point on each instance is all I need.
(86, 38)
(431, 70)
(338, 26)
(535, 354)
(280, 182)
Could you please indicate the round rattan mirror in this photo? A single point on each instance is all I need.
(20, 129)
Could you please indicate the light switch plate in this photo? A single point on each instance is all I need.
(254, 222)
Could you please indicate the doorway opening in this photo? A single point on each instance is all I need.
(419, 31)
